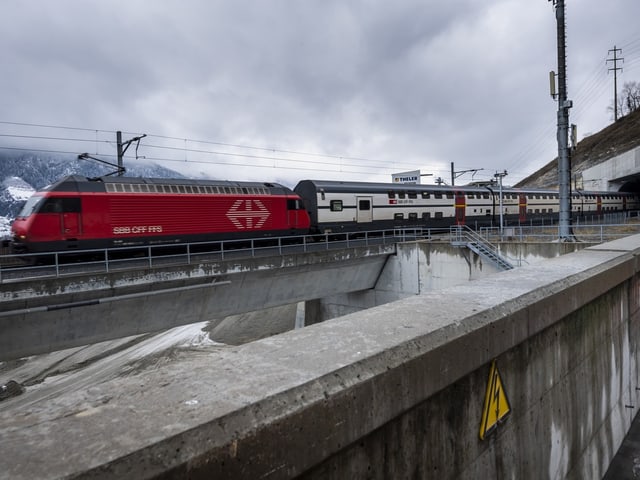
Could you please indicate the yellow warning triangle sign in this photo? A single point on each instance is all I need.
(496, 404)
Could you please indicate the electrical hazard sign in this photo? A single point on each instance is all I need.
(496, 404)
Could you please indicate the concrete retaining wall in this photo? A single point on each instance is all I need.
(422, 266)
(392, 392)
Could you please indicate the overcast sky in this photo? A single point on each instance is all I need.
(282, 90)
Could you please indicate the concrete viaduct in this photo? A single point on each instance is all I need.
(528, 373)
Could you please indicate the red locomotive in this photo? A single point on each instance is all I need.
(80, 213)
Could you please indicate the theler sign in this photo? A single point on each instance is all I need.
(406, 177)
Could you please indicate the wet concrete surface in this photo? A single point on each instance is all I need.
(626, 463)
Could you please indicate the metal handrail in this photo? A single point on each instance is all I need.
(463, 235)
(107, 260)
(57, 264)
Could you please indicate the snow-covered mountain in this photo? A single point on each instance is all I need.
(14, 191)
(21, 174)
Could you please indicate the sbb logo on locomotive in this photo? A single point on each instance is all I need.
(137, 229)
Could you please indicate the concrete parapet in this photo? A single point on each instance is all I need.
(392, 392)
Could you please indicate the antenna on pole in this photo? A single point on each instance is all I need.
(564, 165)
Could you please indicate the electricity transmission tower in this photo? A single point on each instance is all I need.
(615, 69)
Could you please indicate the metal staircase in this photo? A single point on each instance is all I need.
(463, 236)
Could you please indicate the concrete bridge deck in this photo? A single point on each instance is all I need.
(61, 312)
(395, 391)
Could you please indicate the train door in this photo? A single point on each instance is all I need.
(522, 208)
(293, 207)
(461, 207)
(364, 209)
(71, 224)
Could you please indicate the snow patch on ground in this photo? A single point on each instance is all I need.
(47, 376)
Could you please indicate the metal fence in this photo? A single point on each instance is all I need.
(581, 233)
(56, 264)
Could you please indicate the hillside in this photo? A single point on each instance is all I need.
(617, 138)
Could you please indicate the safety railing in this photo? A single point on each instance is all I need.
(462, 235)
(56, 264)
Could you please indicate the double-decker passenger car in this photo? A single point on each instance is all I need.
(356, 206)
(82, 213)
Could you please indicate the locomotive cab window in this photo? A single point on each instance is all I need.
(31, 206)
(60, 205)
(336, 205)
(294, 204)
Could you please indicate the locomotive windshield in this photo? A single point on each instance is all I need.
(30, 207)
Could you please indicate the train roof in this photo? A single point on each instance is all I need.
(357, 187)
(79, 183)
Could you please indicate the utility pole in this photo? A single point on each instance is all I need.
(122, 149)
(500, 176)
(615, 69)
(564, 165)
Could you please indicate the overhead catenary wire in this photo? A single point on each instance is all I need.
(392, 165)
